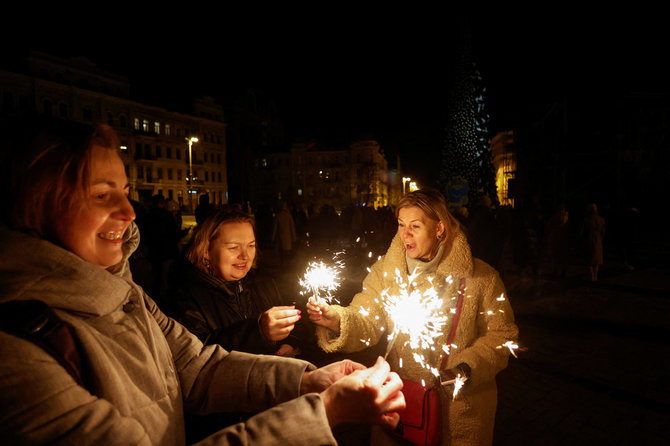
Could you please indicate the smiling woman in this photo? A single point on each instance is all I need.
(93, 228)
(220, 296)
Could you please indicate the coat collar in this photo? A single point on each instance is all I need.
(456, 260)
(34, 268)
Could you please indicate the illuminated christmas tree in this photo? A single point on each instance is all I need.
(467, 171)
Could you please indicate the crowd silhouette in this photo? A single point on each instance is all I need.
(529, 241)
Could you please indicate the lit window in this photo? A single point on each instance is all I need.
(145, 125)
(168, 130)
(137, 124)
(157, 128)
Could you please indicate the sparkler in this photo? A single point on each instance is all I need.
(511, 346)
(320, 277)
(415, 313)
(420, 316)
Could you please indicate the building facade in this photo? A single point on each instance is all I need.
(157, 145)
(313, 176)
(504, 165)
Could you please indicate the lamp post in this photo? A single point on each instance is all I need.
(404, 181)
(413, 186)
(190, 141)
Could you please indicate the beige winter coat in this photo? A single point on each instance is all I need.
(145, 367)
(486, 323)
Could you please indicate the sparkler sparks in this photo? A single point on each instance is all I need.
(511, 346)
(458, 384)
(415, 313)
(319, 278)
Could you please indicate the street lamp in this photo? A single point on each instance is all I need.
(404, 181)
(190, 141)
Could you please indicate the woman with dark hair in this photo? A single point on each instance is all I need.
(431, 247)
(221, 297)
(65, 239)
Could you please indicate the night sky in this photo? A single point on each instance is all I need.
(383, 74)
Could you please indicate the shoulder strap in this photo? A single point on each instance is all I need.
(35, 321)
(454, 324)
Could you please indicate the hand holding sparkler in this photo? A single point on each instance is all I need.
(324, 315)
(372, 395)
(321, 278)
(278, 322)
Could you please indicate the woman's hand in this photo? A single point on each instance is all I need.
(372, 395)
(278, 322)
(323, 314)
(320, 379)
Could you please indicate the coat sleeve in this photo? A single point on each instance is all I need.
(488, 323)
(214, 380)
(363, 322)
(40, 403)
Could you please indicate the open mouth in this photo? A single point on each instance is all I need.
(111, 235)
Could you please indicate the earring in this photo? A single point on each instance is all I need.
(207, 265)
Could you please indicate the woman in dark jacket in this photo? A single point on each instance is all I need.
(221, 297)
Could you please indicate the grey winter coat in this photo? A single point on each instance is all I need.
(146, 369)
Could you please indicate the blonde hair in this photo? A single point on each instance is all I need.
(434, 205)
(50, 172)
(208, 231)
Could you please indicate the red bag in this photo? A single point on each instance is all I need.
(422, 417)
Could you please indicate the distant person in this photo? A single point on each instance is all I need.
(161, 235)
(558, 241)
(284, 234)
(203, 209)
(65, 238)
(593, 229)
(484, 233)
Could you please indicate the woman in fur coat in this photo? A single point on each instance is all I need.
(430, 251)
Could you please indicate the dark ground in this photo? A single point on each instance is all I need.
(594, 369)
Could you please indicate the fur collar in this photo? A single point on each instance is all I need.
(456, 260)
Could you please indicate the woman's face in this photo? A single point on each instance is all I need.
(233, 251)
(419, 233)
(94, 228)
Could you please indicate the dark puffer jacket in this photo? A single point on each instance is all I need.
(225, 313)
